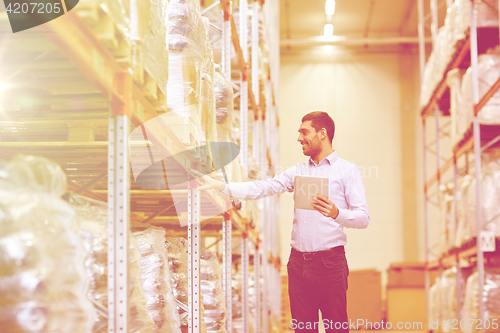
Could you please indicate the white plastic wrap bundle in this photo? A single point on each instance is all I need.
(490, 195)
(224, 105)
(443, 300)
(447, 218)
(155, 273)
(455, 28)
(177, 252)
(152, 30)
(191, 68)
(454, 82)
(43, 283)
(466, 210)
(213, 296)
(486, 15)
(237, 299)
(489, 71)
(90, 223)
(491, 192)
(491, 300)
(434, 301)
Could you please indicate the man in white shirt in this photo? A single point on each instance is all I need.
(317, 268)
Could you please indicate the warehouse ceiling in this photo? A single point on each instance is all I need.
(301, 19)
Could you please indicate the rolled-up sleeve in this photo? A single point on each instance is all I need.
(280, 183)
(356, 216)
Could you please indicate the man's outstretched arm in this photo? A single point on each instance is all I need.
(280, 183)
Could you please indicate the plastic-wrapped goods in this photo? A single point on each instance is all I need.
(466, 210)
(489, 71)
(224, 104)
(454, 82)
(434, 301)
(178, 265)
(155, 275)
(155, 48)
(237, 302)
(490, 198)
(42, 276)
(490, 187)
(491, 299)
(90, 223)
(486, 15)
(443, 300)
(447, 219)
(177, 252)
(224, 94)
(191, 68)
(455, 28)
(211, 289)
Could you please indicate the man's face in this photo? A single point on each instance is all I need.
(308, 138)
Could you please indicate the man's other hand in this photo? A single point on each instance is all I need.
(208, 182)
(325, 206)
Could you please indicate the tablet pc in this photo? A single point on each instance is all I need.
(306, 187)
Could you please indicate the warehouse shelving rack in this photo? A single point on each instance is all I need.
(477, 139)
(90, 90)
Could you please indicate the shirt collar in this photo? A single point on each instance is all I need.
(332, 158)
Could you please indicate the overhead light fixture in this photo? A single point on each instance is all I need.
(330, 7)
(328, 30)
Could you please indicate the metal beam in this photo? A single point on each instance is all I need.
(351, 41)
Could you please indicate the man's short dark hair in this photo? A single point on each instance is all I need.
(319, 120)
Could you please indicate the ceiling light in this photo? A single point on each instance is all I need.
(330, 7)
(328, 30)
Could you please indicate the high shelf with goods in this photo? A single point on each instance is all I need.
(456, 102)
(73, 91)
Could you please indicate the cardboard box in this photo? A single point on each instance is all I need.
(364, 295)
(411, 274)
(407, 306)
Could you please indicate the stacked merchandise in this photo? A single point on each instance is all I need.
(224, 115)
(237, 301)
(191, 71)
(454, 82)
(156, 279)
(443, 300)
(177, 253)
(447, 218)
(140, 38)
(489, 71)
(491, 300)
(456, 25)
(211, 290)
(90, 224)
(43, 283)
(263, 64)
(491, 196)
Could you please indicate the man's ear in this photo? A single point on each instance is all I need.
(324, 134)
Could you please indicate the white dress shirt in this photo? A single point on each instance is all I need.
(312, 231)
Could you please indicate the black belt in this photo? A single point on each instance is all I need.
(317, 254)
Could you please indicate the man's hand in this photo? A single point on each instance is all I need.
(325, 206)
(208, 182)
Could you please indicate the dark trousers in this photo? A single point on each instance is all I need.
(318, 281)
